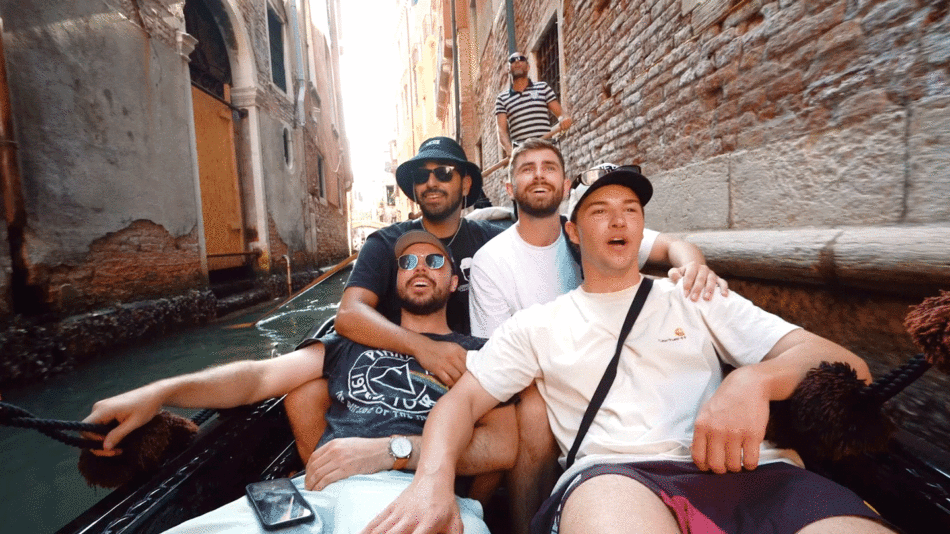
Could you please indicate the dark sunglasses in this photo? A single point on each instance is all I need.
(517, 58)
(409, 261)
(590, 176)
(442, 173)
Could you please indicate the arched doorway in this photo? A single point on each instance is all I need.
(215, 117)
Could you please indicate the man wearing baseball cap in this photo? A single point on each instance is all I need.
(443, 182)
(675, 446)
(372, 432)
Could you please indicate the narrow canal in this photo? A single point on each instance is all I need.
(40, 487)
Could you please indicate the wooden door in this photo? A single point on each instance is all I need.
(220, 191)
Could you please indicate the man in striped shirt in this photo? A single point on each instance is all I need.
(523, 111)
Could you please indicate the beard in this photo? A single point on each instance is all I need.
(444, 213)
(538, 209)
(424, 305)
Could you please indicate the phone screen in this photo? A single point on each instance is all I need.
(278, 503)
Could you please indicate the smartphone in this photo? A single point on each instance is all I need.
(278, 503)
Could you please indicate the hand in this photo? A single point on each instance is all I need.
(698, 279)
(421, 508)
(443, 359)
(131, 409)
(731, 425)
(565, 123)
(344, 457)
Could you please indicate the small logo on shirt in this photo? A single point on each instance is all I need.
(679, 334)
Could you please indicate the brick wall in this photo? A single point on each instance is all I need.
(753, 114)
(140, 261)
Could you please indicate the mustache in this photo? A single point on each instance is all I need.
(433, 190)
(420, 276)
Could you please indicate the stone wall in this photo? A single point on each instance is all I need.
(99, 98)
(783, 114)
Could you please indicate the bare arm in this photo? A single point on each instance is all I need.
(493, 447)
(230, 385)
(564, 121)
(428, 504)
(689, 264)
(358, 320)
(504, 139)
(731, 425)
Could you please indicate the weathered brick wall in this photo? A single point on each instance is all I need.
(756, 114)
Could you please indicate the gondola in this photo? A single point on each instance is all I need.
(908, 483)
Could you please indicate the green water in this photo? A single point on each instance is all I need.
(40, 487)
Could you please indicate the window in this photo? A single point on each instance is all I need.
(390, 195)
(321, 179)
(549, 64)
(275, 29)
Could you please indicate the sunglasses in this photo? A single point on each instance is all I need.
(517, 58)
(442, 173)
(409, 261)
(590, 176)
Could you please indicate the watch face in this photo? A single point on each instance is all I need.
(401, 447)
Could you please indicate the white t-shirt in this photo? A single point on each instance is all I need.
(668, 369)
(508, 274)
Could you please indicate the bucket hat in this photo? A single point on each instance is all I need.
(441, 149)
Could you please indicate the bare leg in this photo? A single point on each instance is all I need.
(845, 525)
(630, 507)
(306, 409)
(536, 470)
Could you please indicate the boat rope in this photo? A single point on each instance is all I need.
(12, 415)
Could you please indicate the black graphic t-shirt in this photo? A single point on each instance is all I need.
(376, 393)
(375, 267)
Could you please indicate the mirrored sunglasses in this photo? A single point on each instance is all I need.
(517, 58)
(443, 173)
(409, 261)
(590, 176)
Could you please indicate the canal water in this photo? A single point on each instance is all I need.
(40, 487)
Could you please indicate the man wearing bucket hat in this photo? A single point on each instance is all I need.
(443, 182)
(673, 445)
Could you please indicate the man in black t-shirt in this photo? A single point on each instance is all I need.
(379, 404)
(443, 182)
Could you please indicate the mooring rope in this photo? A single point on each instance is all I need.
(12, 415)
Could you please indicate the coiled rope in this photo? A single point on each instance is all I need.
(12, 415)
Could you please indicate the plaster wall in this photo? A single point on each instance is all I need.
(102, 131)
(101, 122)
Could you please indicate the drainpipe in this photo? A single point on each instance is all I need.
(412, 68)
(510, 14)
(9, 169)
(300, 117)
(14, 208)
(290, 285)
(455, 67)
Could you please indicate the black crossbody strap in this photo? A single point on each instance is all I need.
(611, 372)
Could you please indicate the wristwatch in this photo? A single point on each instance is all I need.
(400, 448)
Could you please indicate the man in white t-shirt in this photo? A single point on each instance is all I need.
(675, 447)
(531, 263)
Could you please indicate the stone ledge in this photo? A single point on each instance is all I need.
(890, 259)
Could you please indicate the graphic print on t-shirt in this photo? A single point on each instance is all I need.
(381, 378)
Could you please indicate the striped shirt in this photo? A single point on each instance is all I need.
(527, 111)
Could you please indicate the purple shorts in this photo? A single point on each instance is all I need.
(774, 498)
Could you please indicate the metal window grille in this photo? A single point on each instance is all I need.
(275, 28)
(548, 57)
